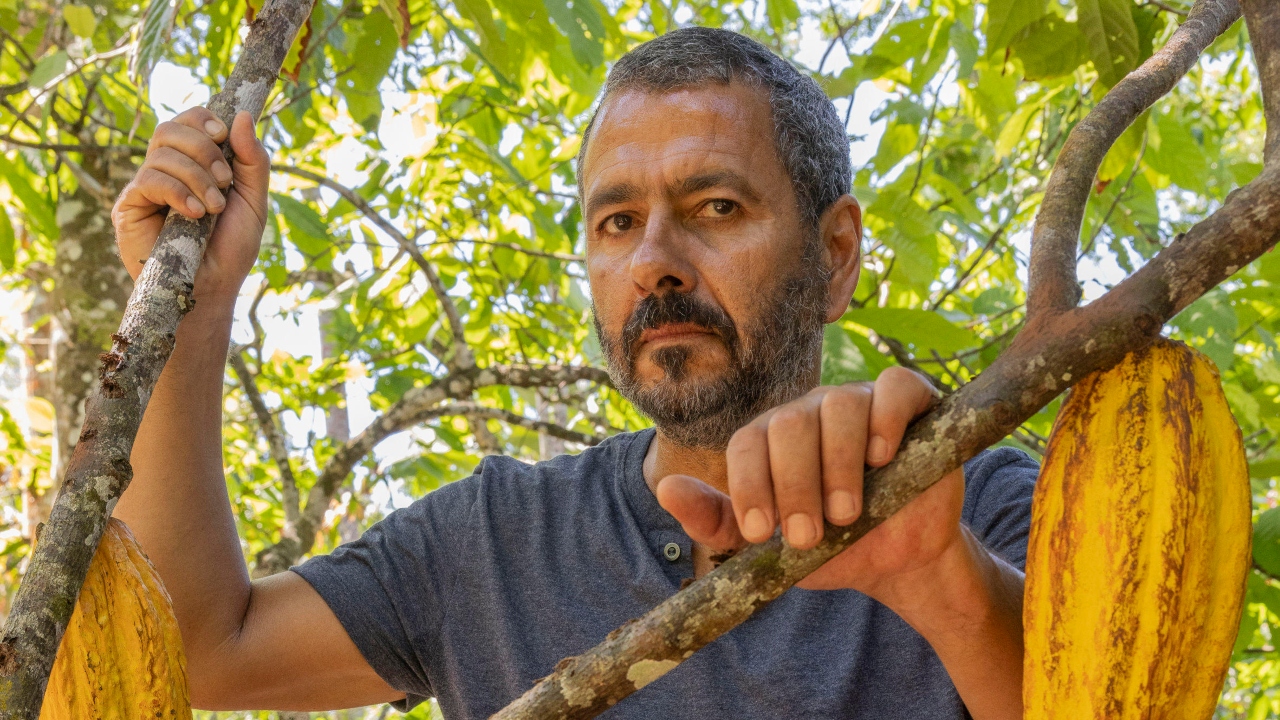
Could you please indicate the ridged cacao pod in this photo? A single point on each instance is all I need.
(121, 657)
(1140, 533)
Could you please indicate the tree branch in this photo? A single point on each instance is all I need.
(462, 357)
(99, 469)
(1263, 20)
(477, 411)
(415, 406)
(275, 441)
(1055, 238)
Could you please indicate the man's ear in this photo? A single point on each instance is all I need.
(840, 228)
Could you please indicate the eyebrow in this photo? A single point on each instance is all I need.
(612, 195)
(718, 178)
(626, 192)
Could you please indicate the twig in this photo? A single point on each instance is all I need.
(462, 357)
(275, 440)
(412, 408)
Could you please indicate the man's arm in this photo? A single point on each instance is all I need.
(273, 643)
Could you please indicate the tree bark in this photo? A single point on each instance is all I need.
(99, 469)
(1060, 345)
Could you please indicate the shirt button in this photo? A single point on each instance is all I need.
(671, 551)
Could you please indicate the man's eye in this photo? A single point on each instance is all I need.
(719, 208)
(619, 223)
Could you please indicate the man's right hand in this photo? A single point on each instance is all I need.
(184, 170)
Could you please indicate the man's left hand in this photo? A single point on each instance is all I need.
(804, 460)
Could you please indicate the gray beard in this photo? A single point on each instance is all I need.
(773, 361)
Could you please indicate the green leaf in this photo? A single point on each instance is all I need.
(1265, 469)
(965, 42)
(307, 229)
(157, 23)
(1112, 37)
(49, 67)
(783, 14)
(1006, 18)
(8, 254)
(1266, 542)
(897, 141)
(586, 50)
(1015, 128)
(398, 12)
(80, 20)
(1172, 150)
(1050, 47)
(921, 329)
(35, 207)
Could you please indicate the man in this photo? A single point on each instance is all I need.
(720, 236)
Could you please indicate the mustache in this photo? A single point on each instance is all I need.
(676, 307)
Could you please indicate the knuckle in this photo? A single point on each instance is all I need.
(743, 441)
(788, 419)
(847, 398)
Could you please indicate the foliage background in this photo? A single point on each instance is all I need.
(453, 124)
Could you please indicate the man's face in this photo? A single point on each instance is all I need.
(709, 291)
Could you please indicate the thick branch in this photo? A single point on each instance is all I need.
(275, 441)
(99, 469)
(1263, 19)
(1055, 239)
(462, 353)
(416, 406)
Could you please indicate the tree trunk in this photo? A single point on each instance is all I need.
(90, 290)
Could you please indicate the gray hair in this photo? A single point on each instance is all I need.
(808, 134)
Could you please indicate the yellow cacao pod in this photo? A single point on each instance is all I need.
(1140, 534)
(121, 657)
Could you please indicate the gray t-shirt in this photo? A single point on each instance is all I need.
(474, 592)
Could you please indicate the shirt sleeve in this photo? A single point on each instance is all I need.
(388, 589)
(999, 484)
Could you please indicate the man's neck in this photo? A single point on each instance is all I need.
(665, 457)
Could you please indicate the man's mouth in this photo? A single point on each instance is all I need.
(674, 332)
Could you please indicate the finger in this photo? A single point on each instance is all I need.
(251, 166)
(844, 417)
(195, 144)
(750, 485)
(898, 397)
(203, 119)
(197, 179)
(153, 189)
(705, 513)
(795, 461)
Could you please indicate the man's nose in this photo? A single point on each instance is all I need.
(661, 259)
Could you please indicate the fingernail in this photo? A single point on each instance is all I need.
(213, 198)
(877, 450)
(800, 530)
(213, 127)
(221, 172)
(755, 524)
(194, 205)
(840, 506)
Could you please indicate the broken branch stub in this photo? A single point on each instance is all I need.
(1061, 345)
(99, 469)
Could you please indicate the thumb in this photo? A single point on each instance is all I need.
(705, 513)
(251, 168)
